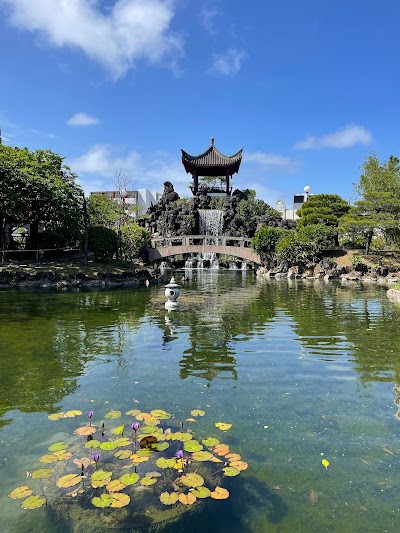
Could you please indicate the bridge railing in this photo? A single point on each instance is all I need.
(199, 240)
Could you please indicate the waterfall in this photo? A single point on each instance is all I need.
(210, 222)
(211, 225)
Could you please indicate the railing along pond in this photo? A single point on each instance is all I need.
(200, 240)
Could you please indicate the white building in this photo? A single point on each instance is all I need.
(141, 199)
(298, 201)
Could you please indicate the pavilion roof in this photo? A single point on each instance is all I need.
(212, 162)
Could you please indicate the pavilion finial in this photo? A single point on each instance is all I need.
(212, 141)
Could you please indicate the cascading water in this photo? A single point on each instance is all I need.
(210, 225)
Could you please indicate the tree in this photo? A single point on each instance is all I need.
(133, 240)
(264, 242)
(103, 211)
(37, 188)
(378, 209)
(324, 209)
(250, 209)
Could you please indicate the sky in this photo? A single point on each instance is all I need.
(309, 88)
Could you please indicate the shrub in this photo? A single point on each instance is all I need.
(103, 242)
(264, 242)
(358, 264)
(297, 249)
(133, 241)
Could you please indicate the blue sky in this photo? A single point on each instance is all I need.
(308, 87)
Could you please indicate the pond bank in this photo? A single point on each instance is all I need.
(73, 275)
(393, 295)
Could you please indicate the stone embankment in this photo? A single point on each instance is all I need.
(46, 279)
(328, 271)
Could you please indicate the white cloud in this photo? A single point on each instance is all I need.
(207, 16)
(132, 29)
(82, 119)
(268, 159)
(228, 63)
(97, 167)
(344, 138)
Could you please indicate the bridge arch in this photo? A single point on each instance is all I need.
(163, 247)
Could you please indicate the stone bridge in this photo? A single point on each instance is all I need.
(162, 247)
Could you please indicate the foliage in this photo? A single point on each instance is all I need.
(378, 209)
(324, 209)
(264, 242)
(358, 264)
(133, 240)
(250, 209)
(103, 242)
(104, 211)
(305, 245)
(36, 187)
(175, 477)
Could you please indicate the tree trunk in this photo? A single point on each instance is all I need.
(3, 236)
(33, 235)
(369, 240)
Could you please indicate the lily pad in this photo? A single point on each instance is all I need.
(57, 446)
(197, 412)
(120, 500)
(222, 426)
(147, 481)
(70, 480)
(92, 444)
(122, 441)
(191, 420)
(143, 416)
(113, 414)
(129, 479)
(233, 457)
(115, 486)
(192, 480)
(100, 478)
(202, 456)
(49, 458)
(162, 462)
(201, 492)
(84, 431)
(20, 492)
(62, 455)
(220, 494)
(239, 465)
(123, 454)
(159, 413)
(108, 446)
(33, 502)
(118, 430)
(192, 446)
(42, 473)
(152, 421)
(72, 414)
(187, 499)
(221, 449)
(136, 459)
(150, 430)
(162, 446)
(105, 500)
(169, 498)
(230, 471)
(133, 412)
(210, 442)
(143, 453)
(55, 416)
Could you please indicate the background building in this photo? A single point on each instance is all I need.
(298, 201)
(141, 199)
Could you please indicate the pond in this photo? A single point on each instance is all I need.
(304, 372)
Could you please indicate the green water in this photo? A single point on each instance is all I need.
(303, 371)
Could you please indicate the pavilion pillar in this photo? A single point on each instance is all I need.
(195, 182)
(227, 184)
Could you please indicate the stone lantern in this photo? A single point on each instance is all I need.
(171, 293)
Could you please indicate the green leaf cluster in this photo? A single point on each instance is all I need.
(133, 241)
(36, 187)
(324, 209)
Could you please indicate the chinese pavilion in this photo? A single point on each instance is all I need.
(214, 169)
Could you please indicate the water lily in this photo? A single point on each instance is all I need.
(179, 454)
(89, 415)
(135, 426)
(96, 457)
